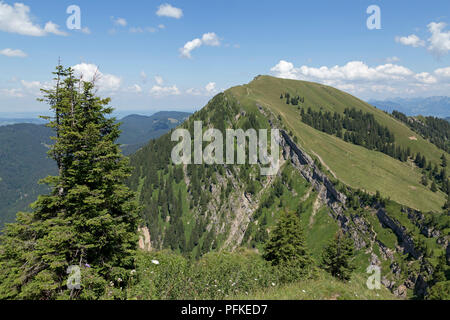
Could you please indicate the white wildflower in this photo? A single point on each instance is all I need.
(155, 261)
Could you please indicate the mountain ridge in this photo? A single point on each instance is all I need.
(195, 209)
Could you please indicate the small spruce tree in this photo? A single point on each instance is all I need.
(287, 241)
(337, 257)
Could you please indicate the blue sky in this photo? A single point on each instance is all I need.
(137, 47)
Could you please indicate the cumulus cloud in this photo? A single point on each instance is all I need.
(166, 10)
(33, 88)
(209, 90)
(353, 70)
(14, 93)
(144, 30)
(13, 53)
(208, 39)
(31, 85)
(16, 19)
(411, 40)
(50, 27)
(121, 22)
(134, 89)
(439, 40)
(392, 59)
(161, 91)
(159, 80)
(91, 72)
(443, 72)
(425, 77)
(189, 46)
(211, 87)
(357, 77)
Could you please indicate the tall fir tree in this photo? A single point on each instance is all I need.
(88, 220)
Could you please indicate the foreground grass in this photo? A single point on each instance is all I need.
(325, 287)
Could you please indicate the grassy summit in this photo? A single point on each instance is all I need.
(352, 164)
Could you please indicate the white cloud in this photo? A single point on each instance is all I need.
(160, 91)
(159, 80)
(86, 30)
(136, 30)
(443, 72)
(90, 72)
(353, 70)
(189, 46)
(13, 53)
(16, 19)
(392, 59)
(31, 85)
(15, 93)
(211, 87)
(439, 40)
(143, 76)
(50, 27)
(411, 40)
(193, 92)
(121, 22)
(208, 39)
(33, 88)
(161, 26)
(425, 77)
(143, 30)
(166, 10)
(357, 77)
(209, 90)
(135, 89)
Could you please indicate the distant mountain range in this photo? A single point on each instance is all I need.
(24, 161)
(137, 130)
(431, 106)
(9, 121)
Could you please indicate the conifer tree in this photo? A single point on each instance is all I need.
(336, 258)
(88, 220)
(287, 244)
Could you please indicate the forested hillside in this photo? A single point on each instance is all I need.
(24, 160)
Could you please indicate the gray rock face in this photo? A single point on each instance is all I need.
(405, 241)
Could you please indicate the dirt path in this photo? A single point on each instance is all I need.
(324, 164)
